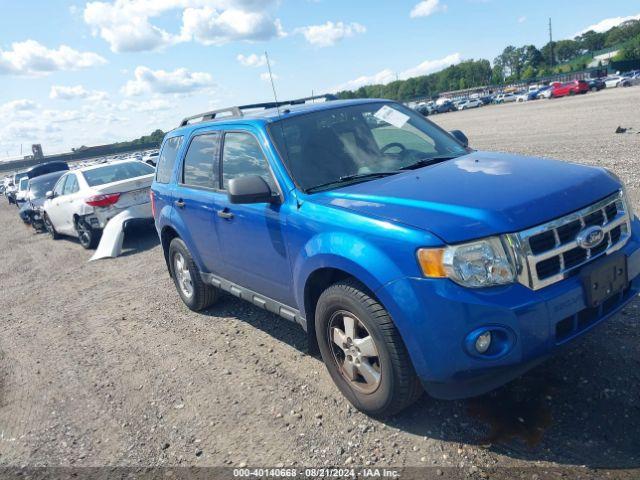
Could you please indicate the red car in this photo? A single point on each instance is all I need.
(569, 88)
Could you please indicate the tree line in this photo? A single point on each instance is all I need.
(514, 64)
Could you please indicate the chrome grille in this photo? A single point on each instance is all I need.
(548, 253)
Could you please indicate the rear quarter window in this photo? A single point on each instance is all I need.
(167, 159)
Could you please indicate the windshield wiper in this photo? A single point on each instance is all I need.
(423, 162)
(351, 178)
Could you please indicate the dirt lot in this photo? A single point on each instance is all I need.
(101, 364)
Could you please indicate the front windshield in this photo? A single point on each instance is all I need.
(331, 147)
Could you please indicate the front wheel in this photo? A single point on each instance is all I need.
(363, 351)
(51, 230)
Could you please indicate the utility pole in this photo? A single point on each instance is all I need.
(552, 59)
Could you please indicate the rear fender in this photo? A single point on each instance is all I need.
(181, 229)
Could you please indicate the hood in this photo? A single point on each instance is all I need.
(37, 202)
(477, 195)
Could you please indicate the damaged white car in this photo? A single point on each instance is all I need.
(85, 200)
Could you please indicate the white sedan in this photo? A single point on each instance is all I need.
(471, 103)
(84, 200)
(620, 81)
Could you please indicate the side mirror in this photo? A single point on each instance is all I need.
(49, 195)
(249, 189)
(461, 137)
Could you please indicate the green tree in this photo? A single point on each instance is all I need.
(591, 41)
(566, 50)
(631, 51)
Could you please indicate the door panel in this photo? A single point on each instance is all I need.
(54, 211)
(252, 236)
(196, 200)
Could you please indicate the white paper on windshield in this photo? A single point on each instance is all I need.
(392, 116)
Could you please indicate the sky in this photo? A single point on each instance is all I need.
(78, 73)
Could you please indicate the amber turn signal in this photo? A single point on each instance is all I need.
(430, 260)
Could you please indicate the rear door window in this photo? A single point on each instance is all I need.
(71, 185)
(167, 159)
(243, 156)
(200, 164)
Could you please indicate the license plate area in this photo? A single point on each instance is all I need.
(136, 197)
(604, 279)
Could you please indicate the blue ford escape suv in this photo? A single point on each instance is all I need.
(412, 261)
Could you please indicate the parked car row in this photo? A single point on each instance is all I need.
(533, 92)
(80, 202)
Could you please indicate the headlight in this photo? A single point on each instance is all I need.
(625, 195)
(482, 263)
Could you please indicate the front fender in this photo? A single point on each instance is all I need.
(343, 251)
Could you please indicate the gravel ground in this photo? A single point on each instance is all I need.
(101, 364)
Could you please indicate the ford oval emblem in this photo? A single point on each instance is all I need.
(590, 237)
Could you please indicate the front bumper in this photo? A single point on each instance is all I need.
(435, 316)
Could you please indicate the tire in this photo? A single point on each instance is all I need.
(571, 93)
(87, 236)
(396, 385)
(48, 226)
(195, 294)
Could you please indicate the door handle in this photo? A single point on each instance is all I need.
(179, 203)
(225, 214)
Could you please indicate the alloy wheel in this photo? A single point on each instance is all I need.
(48, 225)
(183, 275)
(84, 234)
(354, 351)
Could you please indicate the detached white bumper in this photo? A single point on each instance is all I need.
(113, 234)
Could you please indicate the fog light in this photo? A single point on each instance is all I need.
(483, 342)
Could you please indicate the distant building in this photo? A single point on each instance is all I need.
(36, 148)
(602, 59)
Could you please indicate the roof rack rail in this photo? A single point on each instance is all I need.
(236, 112)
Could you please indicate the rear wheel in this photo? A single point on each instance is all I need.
(49, 227)
(363, 351)
(88, 237)
(195, 294)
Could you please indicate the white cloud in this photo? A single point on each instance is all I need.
(127, 24)
(266, 78)
(387, 75)
(522, 19)
(15, 107)
(180, 81)
(62, 92)
(430, 66)
(214, 27)
(426, 8)
(328, 34)
(607, 23)
(33, 58)
(152, 105)
(252, 60)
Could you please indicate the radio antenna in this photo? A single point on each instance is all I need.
(273, 85)
(275, 97)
